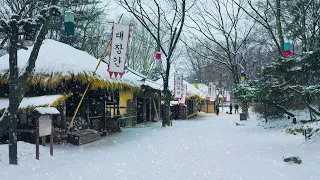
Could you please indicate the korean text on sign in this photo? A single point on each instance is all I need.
(178, 82)
(119, 44)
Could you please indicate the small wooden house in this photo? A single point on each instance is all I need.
(192, 104)
(26, 124)
(143, 105)
(64, 72)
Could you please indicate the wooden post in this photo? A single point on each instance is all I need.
(114, 103)
(63, 117)
(155, 109)
(37, 138)
(105, 113)
(207, 102)
(117, 96)
(88, 109)
(51, 137)
(305, 134)
(144, 109)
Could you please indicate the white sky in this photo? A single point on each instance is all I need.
(115, 10)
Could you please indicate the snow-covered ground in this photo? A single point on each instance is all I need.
(208, 147)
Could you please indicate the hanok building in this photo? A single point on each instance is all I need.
(143, 105)
(64, 72)
(192, 103)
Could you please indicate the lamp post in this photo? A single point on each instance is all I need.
(196, 84)
(242, 76)
(245, 106)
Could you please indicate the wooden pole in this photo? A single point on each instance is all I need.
(51, 138)
(155, 109)
(88, 109)
(144, 109)
(93, 74)
(37, 138)
(104, 113)
(150, 109)
(207, 106)
(63, 117)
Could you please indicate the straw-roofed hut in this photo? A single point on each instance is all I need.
(65, 71)
(193, 99)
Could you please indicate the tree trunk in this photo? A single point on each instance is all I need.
(167, 95)
(22, 80)
(166, 108)
(13, 96)
(265, 111)
(279, 26)
(303, 33)
(245, 107)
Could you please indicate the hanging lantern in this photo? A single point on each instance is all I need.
(69, 23)
(158, 60)
(242, 76)
(287, 50)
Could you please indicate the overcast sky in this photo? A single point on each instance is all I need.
(115, 10)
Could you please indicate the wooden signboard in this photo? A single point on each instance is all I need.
(44, 126)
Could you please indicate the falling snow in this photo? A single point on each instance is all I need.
(209, 147)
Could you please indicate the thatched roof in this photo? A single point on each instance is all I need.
(58, 61)
(32, 102)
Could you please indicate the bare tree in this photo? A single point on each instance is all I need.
(302, 21)
(142, 47)
(14, 28)
(223, 34)
(263, 12)
(90, 21)
(196, 63)
(164, 20)
(23, 8)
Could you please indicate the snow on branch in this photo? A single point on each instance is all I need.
(311, 108)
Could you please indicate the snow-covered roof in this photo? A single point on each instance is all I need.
(191, 90)
(204, 89)
(32, 101)
(136, 78)
(47, 110)
(57, 57)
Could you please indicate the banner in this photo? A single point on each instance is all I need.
(209, 89)
(178, 82)
(182, 100)
(228, 97)
(119, 49)
(212, 91)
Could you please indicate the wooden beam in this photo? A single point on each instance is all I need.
(155, 109)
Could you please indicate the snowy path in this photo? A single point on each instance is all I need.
(209, 147)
